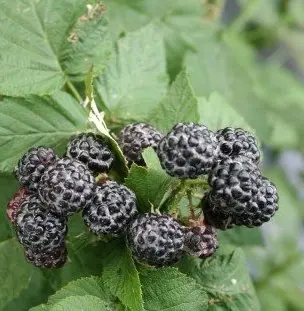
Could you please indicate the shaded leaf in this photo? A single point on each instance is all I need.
(15, 272)
(149, 183)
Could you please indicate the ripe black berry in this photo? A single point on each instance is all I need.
(233, 183)
(135, 137)
(187, 151)
(13, 205)
(261, 207)
(92, 151)
(33, 164)
(112, 207)
(156, 240)
(66, 187)
(201, 241)
(37, 227)
(235, 142)
(49, 259)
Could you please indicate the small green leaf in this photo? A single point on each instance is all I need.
(216, 113)
(135, 80)
(37, 121)
(81, 303)
(149, 183)
(120, 275)
(170, 290)
(179, 105)
(226, 280)
(15, 272)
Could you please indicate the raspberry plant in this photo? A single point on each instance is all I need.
(156, 218)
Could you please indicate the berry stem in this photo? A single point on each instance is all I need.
(191, 207)
(73, 90)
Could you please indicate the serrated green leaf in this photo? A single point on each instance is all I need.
(120, 275)
(135, 80)
(35, 39)
(170, 290)
(179, 105)
(15, 272)
(82, 303)
(85, 286)
(226, 280)
(36, 121)
(149, 183)
(216, 113)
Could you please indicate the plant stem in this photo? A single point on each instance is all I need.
(73, 90)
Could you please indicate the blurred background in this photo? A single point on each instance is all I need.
(274, 32)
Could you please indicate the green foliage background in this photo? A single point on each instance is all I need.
(162, 62)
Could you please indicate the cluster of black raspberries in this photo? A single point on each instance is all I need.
(54, 188)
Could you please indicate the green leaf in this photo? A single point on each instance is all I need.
(149, 183)
(170, 290)
(179, 105)
(43, 42)
(135, 80)
(226, 280)
(216, 113)
(120, 275)
(227, 67)
(36, 292)
(179, 21)
(15, 272)
(36, 121)
(85, 286)
(81, 303)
